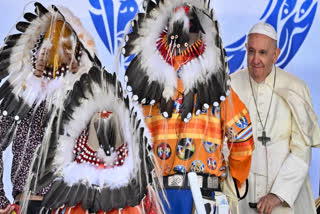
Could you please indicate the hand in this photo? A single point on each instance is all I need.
(7, 210)
(267, 203)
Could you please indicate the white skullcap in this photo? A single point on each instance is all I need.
(265, 29)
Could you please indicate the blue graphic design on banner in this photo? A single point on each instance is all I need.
(110, 18)
(236, 53)
(292, 21)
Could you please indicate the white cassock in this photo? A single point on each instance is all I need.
(281, 167)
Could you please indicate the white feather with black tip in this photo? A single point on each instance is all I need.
(137, 171)
(197, 70)
(34, 89)
(74, 172)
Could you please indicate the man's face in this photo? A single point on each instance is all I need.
(262, 53)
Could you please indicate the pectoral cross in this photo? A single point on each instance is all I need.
(264, 139)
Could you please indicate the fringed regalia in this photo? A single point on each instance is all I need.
(100, 160)
(180, 75)
(38, 66)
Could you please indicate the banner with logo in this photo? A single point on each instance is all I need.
(297, 23)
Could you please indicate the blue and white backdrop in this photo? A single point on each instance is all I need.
(297, 23)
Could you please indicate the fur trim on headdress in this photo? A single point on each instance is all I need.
(19, 55)
(151, 76)
(79, 178)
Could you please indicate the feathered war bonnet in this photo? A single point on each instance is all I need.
(43, 60)
(177, 40)
(100, 150)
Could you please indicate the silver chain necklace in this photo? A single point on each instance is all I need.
(264, 139)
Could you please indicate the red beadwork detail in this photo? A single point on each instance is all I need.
(150, 205)
(105, 114)
(185, 8)
(84, 154)
(122, 152)
(192, 52)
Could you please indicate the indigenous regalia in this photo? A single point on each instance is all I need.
(95, 153)
(100, 161)
(180, 75)
(38, 65)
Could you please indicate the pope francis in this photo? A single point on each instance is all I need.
(285, 128)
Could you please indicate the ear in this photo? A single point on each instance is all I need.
(246, 46)
(275, 58)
